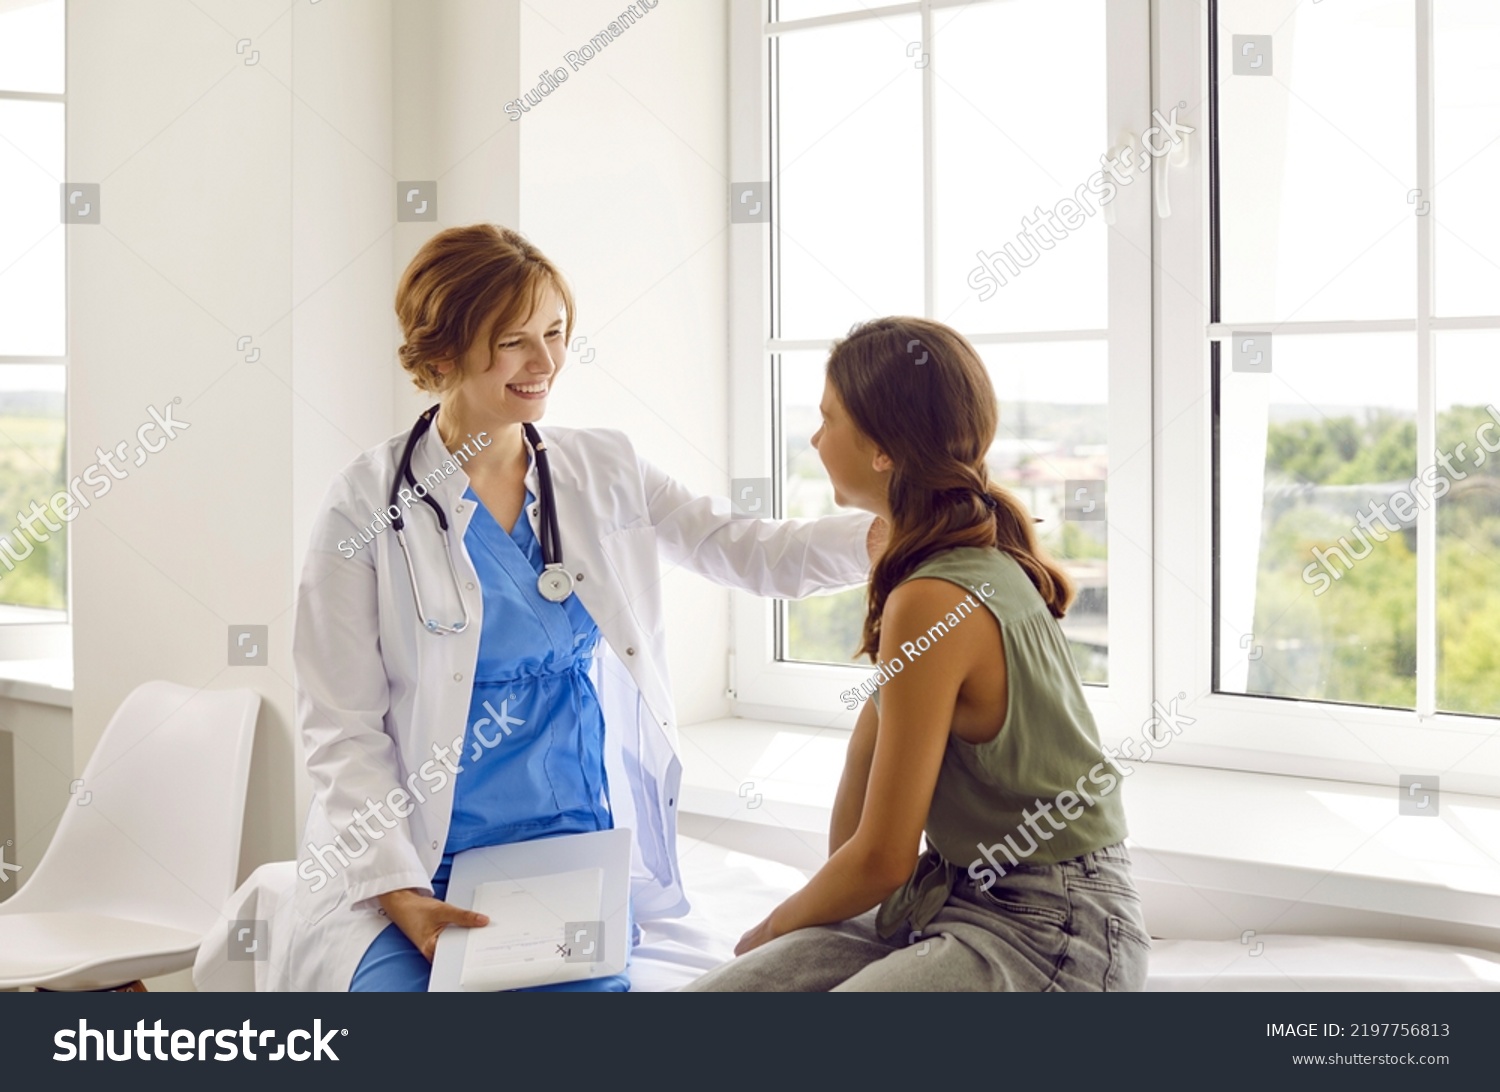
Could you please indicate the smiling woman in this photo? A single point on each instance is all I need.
(466, 280)
(392, 693)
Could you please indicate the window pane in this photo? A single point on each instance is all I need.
(33, 567)
(1317, 524)
(1003, 166)
(1467, 156)
(850, 183)
(822, 628)
(31, 46)
(1053, 427)
(1317, 161)
(1468, 522)
(32, 291)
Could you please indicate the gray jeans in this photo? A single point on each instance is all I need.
(1075, 926)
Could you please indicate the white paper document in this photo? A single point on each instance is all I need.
(528, 920)
(558, 910)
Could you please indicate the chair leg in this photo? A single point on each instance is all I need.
(130, 987)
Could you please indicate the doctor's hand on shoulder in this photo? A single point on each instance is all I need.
(422, 917)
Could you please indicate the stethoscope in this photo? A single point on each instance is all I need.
(554, 583)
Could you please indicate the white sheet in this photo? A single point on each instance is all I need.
(731, 891)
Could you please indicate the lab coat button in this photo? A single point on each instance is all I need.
(630, 652)
(577, 576)
(469, 586)
(458, 677)
(434, 845)
(458, 508)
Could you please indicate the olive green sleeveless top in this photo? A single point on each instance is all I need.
(1041, 791)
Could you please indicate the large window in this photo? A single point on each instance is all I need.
(1358, 253)
(1280, 351)
(1328, 315)
(913, 170)
(33, 326)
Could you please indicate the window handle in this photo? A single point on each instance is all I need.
(1162, 173)
(1128, 144)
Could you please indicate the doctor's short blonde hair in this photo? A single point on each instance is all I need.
(458, 277)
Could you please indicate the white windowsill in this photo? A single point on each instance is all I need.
(1331, 851)
(45, 682)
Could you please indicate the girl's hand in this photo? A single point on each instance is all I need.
(422, 917)
(761, 934)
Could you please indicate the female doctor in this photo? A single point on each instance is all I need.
(478, 640)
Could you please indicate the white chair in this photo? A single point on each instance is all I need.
(147, 850)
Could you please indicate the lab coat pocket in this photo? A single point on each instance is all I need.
(636, 571)
(314, 907)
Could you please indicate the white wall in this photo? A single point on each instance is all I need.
(624, 184)
(193, 152)
(259, 200)
(456, 64)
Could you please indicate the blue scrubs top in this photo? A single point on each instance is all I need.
(533, 756)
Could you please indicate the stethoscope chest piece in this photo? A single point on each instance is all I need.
(555, 583)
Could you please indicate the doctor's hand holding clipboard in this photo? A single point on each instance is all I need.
(479, 647)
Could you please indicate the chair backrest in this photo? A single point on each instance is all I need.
(153, 832)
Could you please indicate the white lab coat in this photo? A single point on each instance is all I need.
(377, 695)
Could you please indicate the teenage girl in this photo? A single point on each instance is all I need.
(979, 737)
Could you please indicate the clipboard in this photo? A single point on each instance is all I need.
(558, 909)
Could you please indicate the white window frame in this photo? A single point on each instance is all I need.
(761, 686)
(21, 636)
(1277, 735)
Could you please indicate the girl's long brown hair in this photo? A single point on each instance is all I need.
(921, 394)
